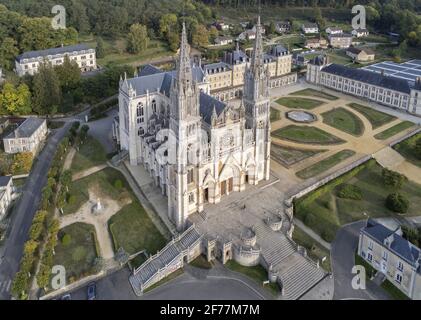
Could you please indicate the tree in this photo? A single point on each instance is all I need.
(36, 230)
(83, 134)
(167, 24)
(46, 90)
(213, 34)
(43, 276)
(200, 37)
(100, 48)
(396, 202)
(68, 74)
(20, 285)
(393, 179)
(22, 162)
(271, 29)
(8, 51)
(15, 101)
(137, 39)
(319, 18)
(417, 148)
(173, 41)
(30, 247)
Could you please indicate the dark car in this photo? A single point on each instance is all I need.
(92, 291)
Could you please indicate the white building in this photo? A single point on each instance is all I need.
(196, 148)
(360, 33)
(389, 91)
(27, 137)
(6, 190)
(389, 253)
(340, 40)
(334, 30)
(29, 62)
(223, 41)
(310, 28)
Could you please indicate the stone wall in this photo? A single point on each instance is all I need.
(247, 257)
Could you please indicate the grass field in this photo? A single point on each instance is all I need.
(314, 93)
(90, 154)
(275, 115)
(376, 118)
(394, 292)
(325, 164)
(306, 134)
(407, 149)
(314, 249)
(299, 103)
(394, 130)
(78, 256)
(257, 273)
(324, 212)
(343, 120)
(290, 156)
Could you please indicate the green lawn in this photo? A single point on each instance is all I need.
(306, 134)
(299, 103)
(290, 156)
(78, 256)
(343, 120)
(386, 134)
(275, 115)
(132, 229)
(339, 57)
(314, 93)
(325, 164)
(407, 149)
(314, 249)
(394, 292)
(256, 273)
(90, 154)
(325, 213)
(376, 118)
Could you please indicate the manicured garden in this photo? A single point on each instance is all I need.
(325, 164)
(386, 134)
(408, 149)
(325, 211)
(306, 134)
(343, 120)
(314, 93)
(275, 115)
(376, 118)
(90, 154)
(289, 156)
(77, 251)
(299, 103)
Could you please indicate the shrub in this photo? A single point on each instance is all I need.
(393, 179)
(66, 239)
(349, 191)
(71, 200)
(397, 202)
(118, 184)
(328, 234)
(310, 220)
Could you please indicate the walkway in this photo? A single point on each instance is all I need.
(88, 172)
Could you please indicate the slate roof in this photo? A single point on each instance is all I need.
(341, 35)
(368, 77)
(401, 247)
(207, 104)
(51, 51)
(26, 129)
(148, 70)
(4, 180)
(221, 66)
(278, 50)
(359, 50)
(310, 25)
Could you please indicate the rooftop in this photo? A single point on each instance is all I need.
(51, 51)
(26, 129)
(4, 180)
(359, 50)
(400, 246)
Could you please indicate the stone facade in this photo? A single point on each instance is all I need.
(29, 62)
(340, 41)
(6, 190)
(27, 137)
(198, 149)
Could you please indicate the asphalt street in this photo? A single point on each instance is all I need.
(24, 211)
(343, 260)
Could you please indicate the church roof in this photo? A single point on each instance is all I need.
(207, 104)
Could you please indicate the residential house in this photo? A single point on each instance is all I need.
(340, 41)
(392, 255)
(222, 26)
(360, 33)
(360, 54)
(283, 26)
(27, 137)
(222, 41)
(310, 28)
(334, 30)
(316, 43)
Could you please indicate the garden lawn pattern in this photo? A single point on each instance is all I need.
(407, 150)
(79, 253)
(299, 103)
(275, 115)
(405, 125)
(376, 118)
(307, 135)
(325, 164)
(314, 93)
(342, 119)
(289, 156)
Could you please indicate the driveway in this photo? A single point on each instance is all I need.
(24, 211)
(343, 260)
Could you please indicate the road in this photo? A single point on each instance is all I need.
(343, 260)
(24, 211)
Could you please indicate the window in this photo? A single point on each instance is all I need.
(140, 112)
(398, 278)
(190, 176)
(370, 245)
(154, 106)
(191, 197)
(400, 266)
(369, 257)
(140, 132)
(385, 255)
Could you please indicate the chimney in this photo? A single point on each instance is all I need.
(17, 133)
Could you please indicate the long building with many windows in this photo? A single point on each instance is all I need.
(386, 90)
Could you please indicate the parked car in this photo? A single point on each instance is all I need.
(67, 297)
(92, 291)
